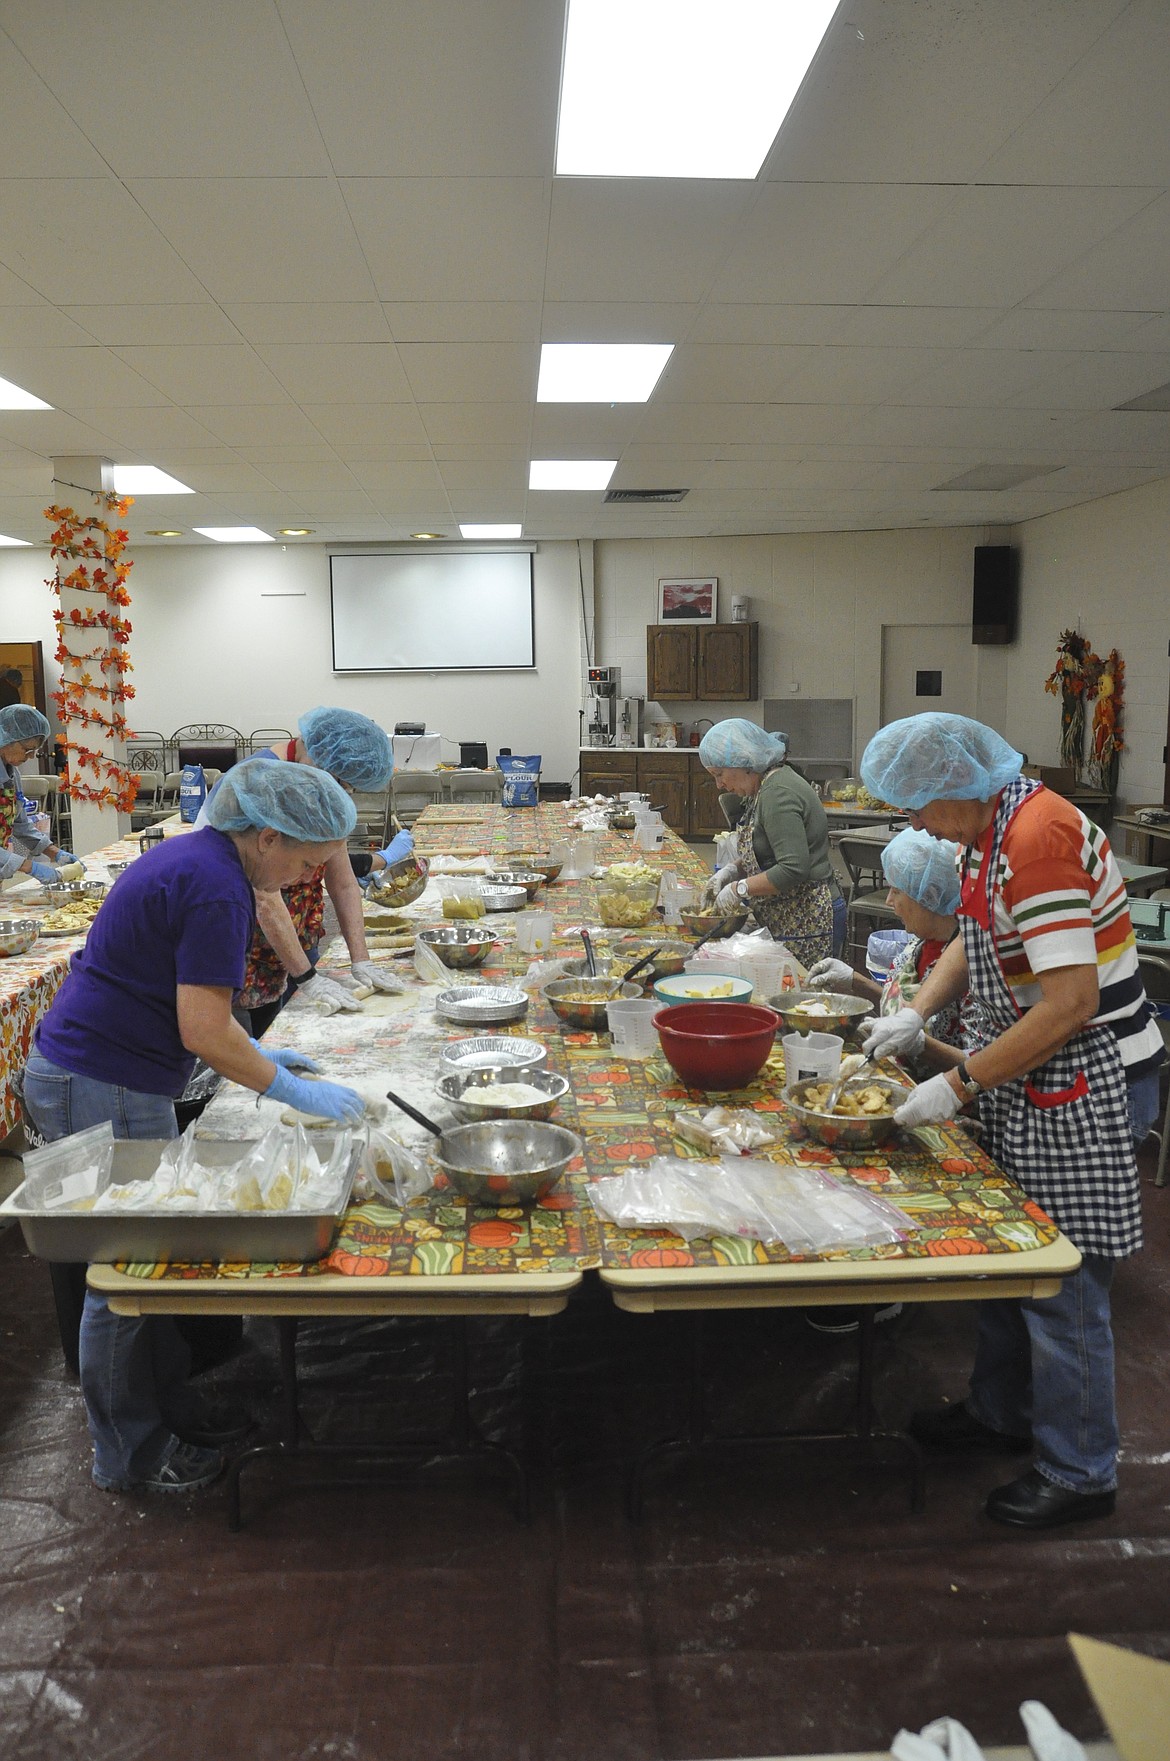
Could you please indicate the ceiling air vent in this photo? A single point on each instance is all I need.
(646, 494)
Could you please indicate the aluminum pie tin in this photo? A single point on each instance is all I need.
(502, 1050)
(503, 898)
(482, 1005)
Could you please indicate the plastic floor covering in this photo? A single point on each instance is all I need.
(770, 1603)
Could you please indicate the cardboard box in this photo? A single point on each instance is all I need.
(1132, 1692)
(1060, 778)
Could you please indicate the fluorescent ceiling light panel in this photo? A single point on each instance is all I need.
(681, 88)
(478, 531)
(236, 534)
(600, 372)
(23, 541)
(570, 473)
(146, 480)
(13, 398)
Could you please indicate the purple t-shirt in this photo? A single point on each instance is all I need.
(181, 914)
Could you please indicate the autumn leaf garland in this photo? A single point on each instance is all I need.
(89, 699)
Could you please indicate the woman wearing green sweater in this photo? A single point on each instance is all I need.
(782, 871)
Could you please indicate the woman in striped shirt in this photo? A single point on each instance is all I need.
(1065, 1075)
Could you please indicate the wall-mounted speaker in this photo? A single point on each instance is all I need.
(995, 596)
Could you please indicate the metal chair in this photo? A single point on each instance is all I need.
(373, 817)
(261, 738)
(216, 743)
(867, 902)
(1155, 970)
(412, 790)
(472, 785)
(46, 792)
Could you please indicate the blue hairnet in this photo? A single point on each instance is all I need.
(20, 721)
(938, 758)
(924, 868)
(349, 746)
(737, 744)
(294, 799)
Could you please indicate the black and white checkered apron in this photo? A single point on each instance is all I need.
(800, 917)
(1063, 1132)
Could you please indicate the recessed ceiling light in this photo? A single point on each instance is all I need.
(13, 398)
(146, 480)
(600, 372)
(685, 90)
(296, 531)
(570, 473)
(163, 532)
(426, 535)
(479, 531)
(27, 543)
(236, 534)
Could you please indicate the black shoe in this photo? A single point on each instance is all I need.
(845, 1320)
(185, 1470)
(214, 1427)
(1032, 1502)
(954, 1428)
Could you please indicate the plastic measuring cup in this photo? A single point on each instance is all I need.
(811, 1057)
(534, 930)
(631, 1025)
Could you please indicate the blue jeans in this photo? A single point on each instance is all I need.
(1046, 1365)
(132, 1370)
(1145, 1104)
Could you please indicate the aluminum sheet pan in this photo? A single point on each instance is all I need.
(108, 1236)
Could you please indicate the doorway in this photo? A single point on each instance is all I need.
(927, 667)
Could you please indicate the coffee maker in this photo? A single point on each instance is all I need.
(604, 684)
(630, 713)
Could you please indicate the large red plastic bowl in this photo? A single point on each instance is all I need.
(717, 1045)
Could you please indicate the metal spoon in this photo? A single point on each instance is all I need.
(646, 960)
(413, 1113)
(846, 1076)
(590, 956)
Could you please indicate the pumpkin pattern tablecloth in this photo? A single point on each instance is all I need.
(961, 1202)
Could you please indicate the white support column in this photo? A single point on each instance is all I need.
(76, 481)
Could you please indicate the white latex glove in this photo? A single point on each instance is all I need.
(943, 1739)
(932, 1103)
(728, 900)
(329, 994)
(1048, 1740)
(378, 979)
(833, 975)
(892, 1034)
(729, 872)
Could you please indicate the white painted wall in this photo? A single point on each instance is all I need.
(820, 599)
(208, 646)
(1104, 567)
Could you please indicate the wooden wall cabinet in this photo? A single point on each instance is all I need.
(714, 662)
(706, 816)
(609, 772)
(675, 781)
(666, 778)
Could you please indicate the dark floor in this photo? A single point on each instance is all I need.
(779, 1605)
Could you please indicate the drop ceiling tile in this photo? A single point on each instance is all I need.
(319, 453)
(52, 433)
(120, 326)
(765, 324)
(726, 372)
(142, 432)
(779, 423)
(1067, 381)
(1141, 435)
(425, 238)
(463, 320)
(39, 326)
(257, 424)
(655, 239)
(265, 324)
(616, 321)
(14, 290)
(923, 327)
(842, 375)
(338, 373)
(584, 430)
(68, 377)
(245, 236)
(373, 85)
(818, 243)
(450, 424)
(419, 479)
(333, 477)
(209, 373)
(359, 424)
(125, 256)
(975, 378)
(1127, 271)
(1152, 333)
(215, 92)
(1026, 237)
(38, 137)
(491, 453)
(1026, 327)
(379, 453)
(464, 478)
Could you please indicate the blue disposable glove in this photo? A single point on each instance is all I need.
(45, 873)
(399, 846)
(64, 856)
(329, 1100)
(284, 1058)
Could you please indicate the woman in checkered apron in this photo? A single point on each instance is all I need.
(781, 872)
(1065, 1074)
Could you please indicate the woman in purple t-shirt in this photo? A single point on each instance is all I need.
(149, 993)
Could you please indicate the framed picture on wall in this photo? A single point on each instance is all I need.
(692, 599)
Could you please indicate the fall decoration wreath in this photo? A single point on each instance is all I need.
(93, 690)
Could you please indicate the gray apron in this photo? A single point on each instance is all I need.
(801, 917)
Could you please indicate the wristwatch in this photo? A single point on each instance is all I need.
(296, 980)
(741, 889)
(967, 1082)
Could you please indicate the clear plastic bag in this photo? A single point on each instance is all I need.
(725, 1130)
(395, 1173)
(71, 1172)
(282, 1171)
